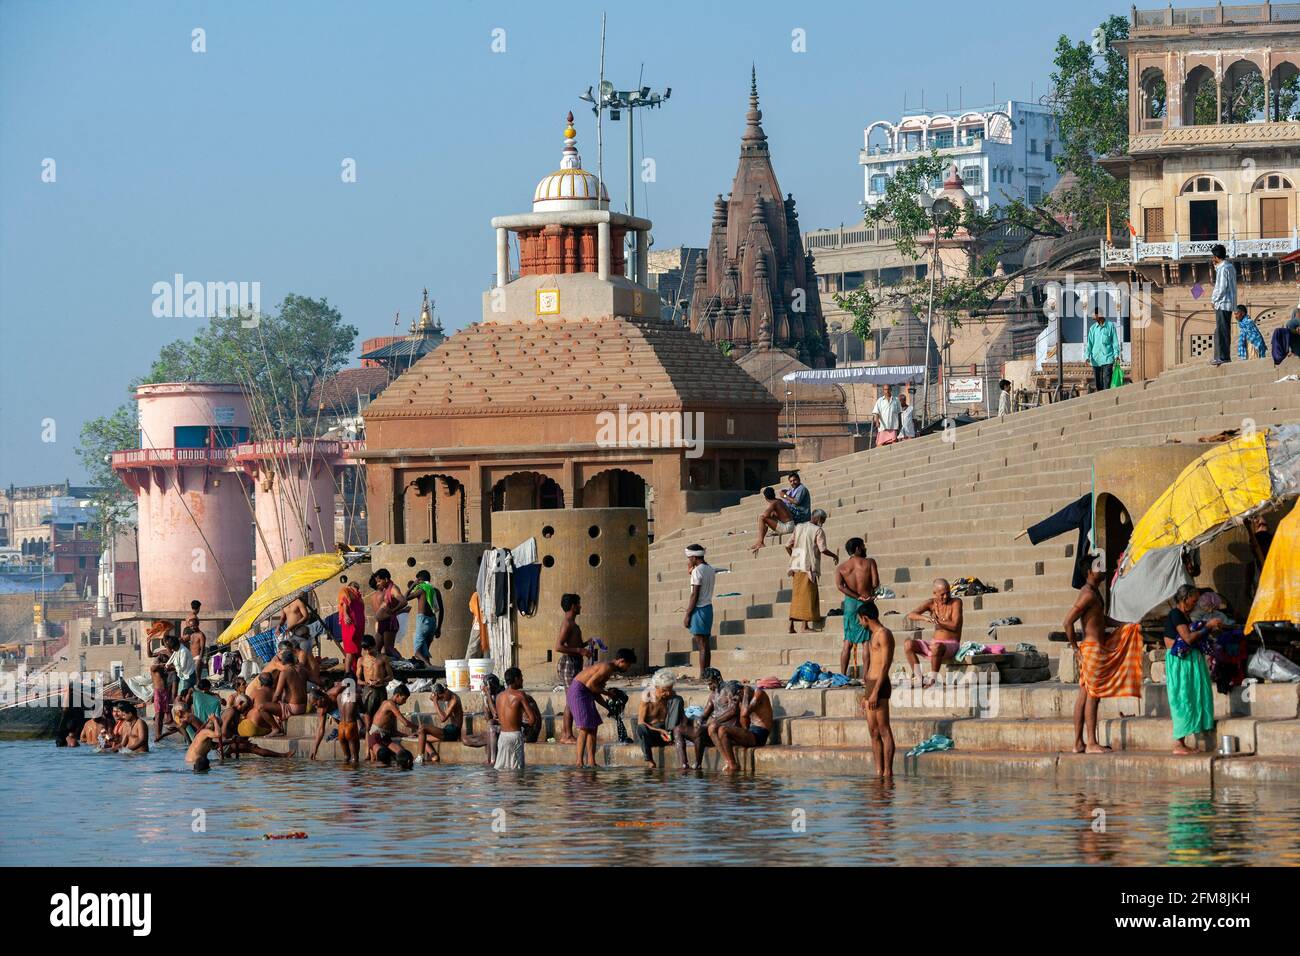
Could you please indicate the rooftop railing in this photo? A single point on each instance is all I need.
(143, 457)
(1177, 249)
(1244, 14)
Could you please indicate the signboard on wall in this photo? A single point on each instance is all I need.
(965, 391)
(224, 414)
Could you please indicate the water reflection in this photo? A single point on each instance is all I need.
(467, 815)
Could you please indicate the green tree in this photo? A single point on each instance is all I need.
(279, 358)
(1090, 98)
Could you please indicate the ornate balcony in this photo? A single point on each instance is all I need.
(1176, 250)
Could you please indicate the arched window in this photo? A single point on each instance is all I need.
(1243, 93)
(1200, 98)
(1271, 181)
(1154, 101)
(1202, 184)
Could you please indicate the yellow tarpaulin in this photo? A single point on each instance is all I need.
(1278, 597)
(284, 582)
(1227, 481)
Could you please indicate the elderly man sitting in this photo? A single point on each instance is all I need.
(662, 711)
(943, 612)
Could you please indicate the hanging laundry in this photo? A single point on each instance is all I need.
(528, 577)
(1073, 517)
(496, 572)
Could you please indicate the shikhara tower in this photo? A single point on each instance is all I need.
(755, 287)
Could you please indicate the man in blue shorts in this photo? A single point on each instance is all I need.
(699, 609)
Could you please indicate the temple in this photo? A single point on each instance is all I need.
(572, 392)
(754, 272)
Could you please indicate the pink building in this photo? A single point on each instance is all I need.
(294, 483)
(195, 510)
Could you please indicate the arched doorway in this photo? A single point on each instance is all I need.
(614, 488)
(526, 491)
(1113, 530)
(1200, 98)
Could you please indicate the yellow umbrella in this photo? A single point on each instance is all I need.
(1278, 597)
(284, 584)
(1227, 482)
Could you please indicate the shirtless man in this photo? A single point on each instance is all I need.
(753, 730)
(571, 655)
(134, 733)
(261, 692)
(204, 743)
(877, 689)
(942, 612)
(388, 605)
(343, 698)
(197, 642)
(376, 671)
(857, 578)
(586, 689)
(775, 516)
(162, 698)
(94, 729)
(291, 687)
(451, 720)
(383, 727)
(296, 615)
(1090, 611)
(232, 738)
(514, 709)
(697, 731)
(426, 620)
(193, 619)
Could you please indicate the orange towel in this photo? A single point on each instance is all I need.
(1113, 667)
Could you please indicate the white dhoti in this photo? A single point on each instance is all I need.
(510, 750)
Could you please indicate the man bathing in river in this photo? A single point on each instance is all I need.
(857, 578)
(697, 731)
(943, 612)
(662, 712)
(451, 720)
(376, 670)
(586, 689)
(383, 727)
(514, 710)
(1090, 611)
(877, 688)
(342, 697)
(751, 728)
(238, 718)
(291, 686)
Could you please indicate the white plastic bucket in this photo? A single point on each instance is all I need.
(480, 669)
(457, 675)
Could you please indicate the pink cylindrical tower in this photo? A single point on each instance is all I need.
(294, 486)
(195, 523)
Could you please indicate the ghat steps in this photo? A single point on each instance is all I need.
(934, 508)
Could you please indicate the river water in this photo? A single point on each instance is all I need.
(68, 807)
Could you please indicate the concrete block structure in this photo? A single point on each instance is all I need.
(600, 554)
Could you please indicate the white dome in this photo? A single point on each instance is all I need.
(570, 186)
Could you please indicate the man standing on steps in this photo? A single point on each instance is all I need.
(1103, 350)
(699, 608)
(887, 417)
(1224, 300)
(1090, 610)
(907, 423)
(806, 549)
(571, 652)
(857, 578)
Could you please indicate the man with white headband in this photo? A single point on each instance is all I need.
(699, 609)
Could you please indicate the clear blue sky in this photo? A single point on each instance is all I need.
(225, 165)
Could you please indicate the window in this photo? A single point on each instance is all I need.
(1034, 194)
(1202, 184)
(878, 184)
(1272, 181)
(972, 176)
(941, 140)
(1047, 152)
(1033, 147)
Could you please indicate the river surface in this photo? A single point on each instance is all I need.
(69, 807)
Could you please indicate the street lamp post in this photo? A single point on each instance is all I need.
(616, 101)
(938, 209)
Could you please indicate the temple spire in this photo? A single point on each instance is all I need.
(754, 137)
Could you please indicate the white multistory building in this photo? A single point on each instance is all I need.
(1002, 152)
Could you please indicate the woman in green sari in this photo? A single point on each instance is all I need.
(1187, 672)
